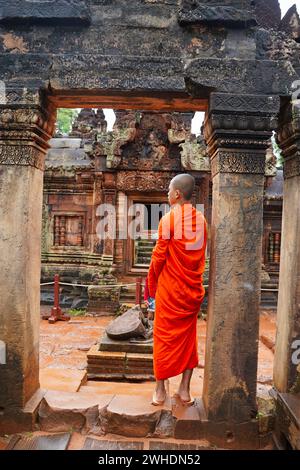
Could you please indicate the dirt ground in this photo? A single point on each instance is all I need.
(64, 347)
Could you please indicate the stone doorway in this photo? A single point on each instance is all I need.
(252, 195)
(141, 248)
(236, 62)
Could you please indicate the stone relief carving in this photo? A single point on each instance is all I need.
(194, 156)
(238, 162)
(147, 181)
(21, 155)
(270, 168)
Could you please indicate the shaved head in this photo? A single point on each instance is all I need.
(184, 183)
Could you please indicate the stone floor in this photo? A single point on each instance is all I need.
(70, 400)
(64, 347)
(77, 441)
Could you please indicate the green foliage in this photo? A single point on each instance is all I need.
(77, 312)
(277, 152)
(65, 119)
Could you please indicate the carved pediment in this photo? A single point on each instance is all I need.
(44, 11)
(228, 12)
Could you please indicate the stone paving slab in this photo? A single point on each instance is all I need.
(49, 442)
(67, 380)
(161, 445)
(95, 444)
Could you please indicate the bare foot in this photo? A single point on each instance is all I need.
(160, 394)
(183, 394)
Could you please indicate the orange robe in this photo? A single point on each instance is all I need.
(175, 280)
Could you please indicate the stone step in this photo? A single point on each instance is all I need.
(135, 416)
(143, 260)
(143, 257)
(144, 249)
(91, 411)
(141, 251)
(62, 411)
(150, 243)
(119, 365)
(288, 418)
(188, 419)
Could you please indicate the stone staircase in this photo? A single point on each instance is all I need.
(104, 414)
(112, 416)
(143, 251)
(132, 416)
(269, 294)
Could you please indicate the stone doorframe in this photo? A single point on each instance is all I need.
(237, 131)
(287, 351)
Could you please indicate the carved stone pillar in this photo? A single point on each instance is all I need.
(237, 130)
(97, 200)
(121, 232)
(109, 198)
(25, 128)
(288, 310)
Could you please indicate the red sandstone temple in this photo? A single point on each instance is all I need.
(133, 164)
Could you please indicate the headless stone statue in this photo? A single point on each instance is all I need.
(132, 326)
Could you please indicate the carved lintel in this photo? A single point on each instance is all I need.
(148, 181)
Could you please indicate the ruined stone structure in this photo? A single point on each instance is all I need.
(132, 165)
(222, 57)
(142, 153)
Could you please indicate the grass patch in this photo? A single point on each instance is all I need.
(77, 312)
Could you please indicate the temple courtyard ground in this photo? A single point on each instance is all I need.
(64, 347)
(63, 362)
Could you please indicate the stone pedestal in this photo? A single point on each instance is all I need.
(237, 130)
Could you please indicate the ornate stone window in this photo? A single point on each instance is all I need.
(273, 248)
(68, 230)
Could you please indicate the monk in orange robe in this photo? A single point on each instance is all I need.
(175, 279)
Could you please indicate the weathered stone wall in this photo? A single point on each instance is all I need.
(141, 44)
(156, 51)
